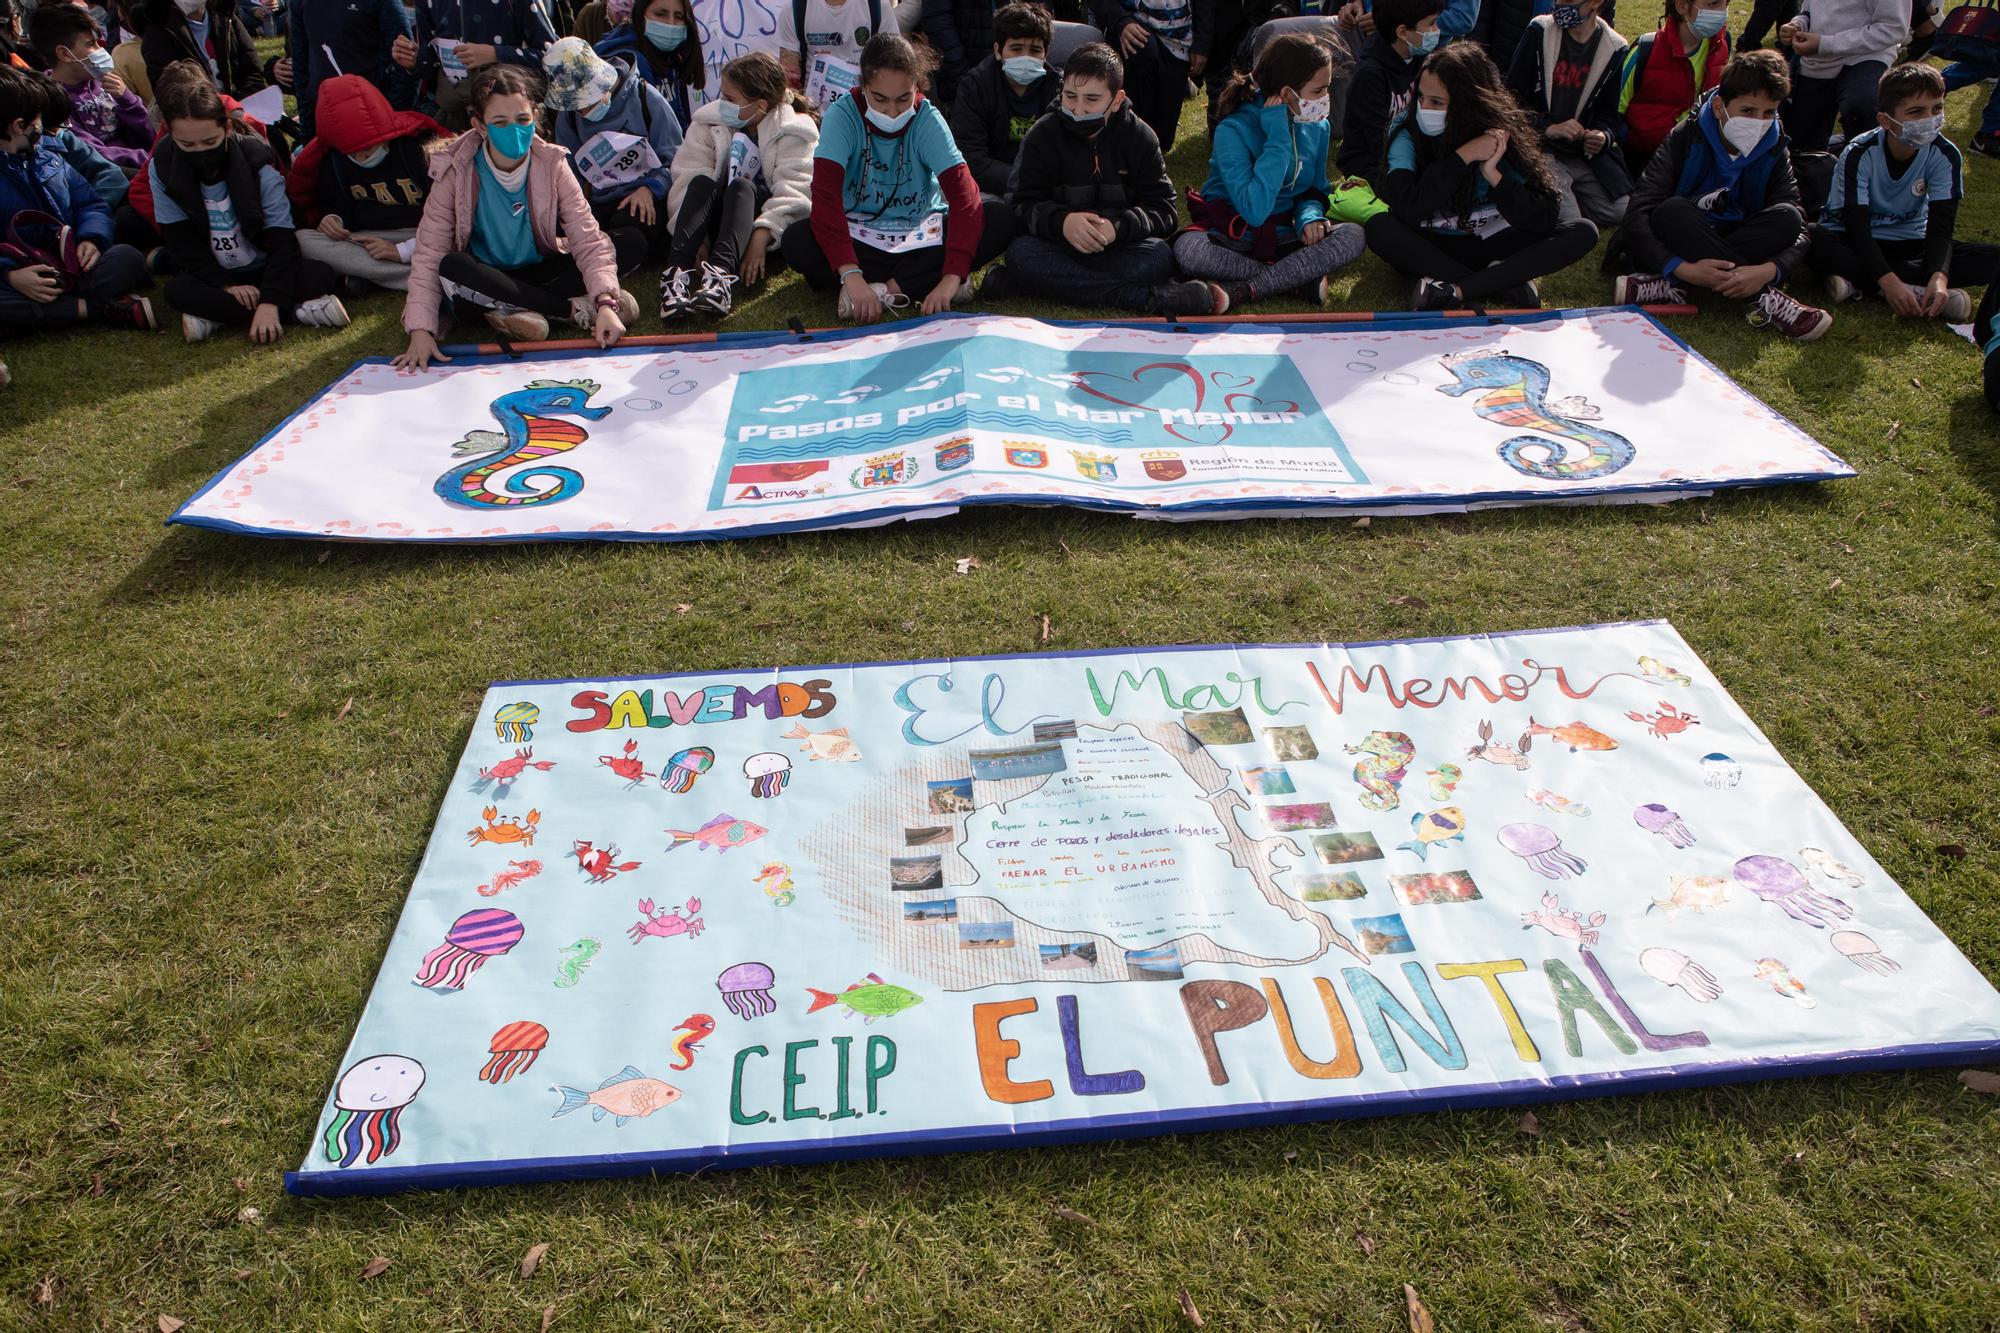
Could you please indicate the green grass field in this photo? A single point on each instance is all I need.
(221, 759)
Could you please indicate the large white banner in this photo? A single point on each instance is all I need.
(728, 29)
(777, 432)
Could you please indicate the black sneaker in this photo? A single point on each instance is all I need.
(128, 311)
(1525, 297)
(1182, 299)
(1235, 296)
(676, 293)
(1988, 144)
(712, 297)
(1430, 294)
(997, 284)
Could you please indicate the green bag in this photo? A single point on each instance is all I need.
(1353, 200)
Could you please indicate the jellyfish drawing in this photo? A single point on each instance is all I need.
(514, 1049)
(472, 939)
(746, 990)
(768, 773)
(1541, 849)
(1863, 952)
(516, 721)
(1778, 881)
(1656, 818)
(366, 1102)
(685, 767)
(1720, 772)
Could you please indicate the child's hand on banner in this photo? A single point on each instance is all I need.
(607, 328)
(942, 295)
(423, 350)
(861, 299)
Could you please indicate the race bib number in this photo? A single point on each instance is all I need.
(611, 159)
(925, 234)
(225, 235)
(745, 162)
(829, 78)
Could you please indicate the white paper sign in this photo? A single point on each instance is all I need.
(612, 159)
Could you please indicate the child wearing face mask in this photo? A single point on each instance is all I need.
(1095, 205)
(621, 136)
(103, 111)
(742, 176)
(360, 184)
(89, 279)
(209, 31)
(1005, 93)
(1261, 227)
(1667, 71)
(1887, 228)
(661, 42)
(896, 216)
(1405, 32)
(1718, 208)
(1475, 215)
(1566, 75)
(507, 231)
(220, 204)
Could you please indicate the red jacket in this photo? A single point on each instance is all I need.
(963, 221)
(352, 116)
(1660, 88)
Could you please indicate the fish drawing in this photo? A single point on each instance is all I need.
(1575, 735)
(627, 1094)
(834, 744)
(873, 999)
(722, 833)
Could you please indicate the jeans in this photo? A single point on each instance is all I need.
(1479, 266)
(1965, 73)
(349, 259)
(914, 272)
(719, 214)
(1850, 95)
(120, 269)
(546, 286)
(1202, 256)
(1126, 276)
(1583, 195)
(193, 295)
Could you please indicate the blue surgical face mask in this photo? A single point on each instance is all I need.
(1430, 123)
(374, 157)
(1424, 43)
(599, 111)
(510, 140)
(1708, 22)
(666, 36)
(891, 124)
(99, 61)
(1023, 69)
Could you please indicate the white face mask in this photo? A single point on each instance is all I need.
(890, 124)
(1313, 110)
(1430, 122)
(1921, 132)
(1744, 134)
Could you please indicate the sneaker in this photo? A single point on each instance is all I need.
(583, 310)
(1795, 319)
(1235, 296)
(196, 329)
(1988, 144)
(1957, 306)
(712, 298)
(322, 312)
(1840, 291)
(159, 261)
(628, 308)
(1647, 289)
(1525, 297)
(675, 293)
(520, 326)
(1433, 295)
(1178, 300)
(997, 285)
(963, 296)
(890, 300)
(136, 312)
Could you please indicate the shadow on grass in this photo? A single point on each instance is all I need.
(1974, 435)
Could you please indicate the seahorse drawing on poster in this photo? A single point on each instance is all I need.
(529, 432)
(1514, 392)
(1385, 761)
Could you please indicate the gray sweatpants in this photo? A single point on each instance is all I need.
(1583, 195)
(347, 257)
(1200, 255)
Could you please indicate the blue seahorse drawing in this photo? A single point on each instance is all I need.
(1513, 391)
(526, 434)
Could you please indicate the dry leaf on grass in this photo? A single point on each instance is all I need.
(682, 608)
(345, 709)
(1047, 634)
(375, 1267)
(241, 1184)
(1981, 1081)
(1363, 521)
(1187, 1308)
(168, 1324)
(1414, 603)
(1894, 427)
(1954, 850)
(533, 1260)
(1291, 1154)
(324, 552)
(1528, 1123)
(1420, 1317)
(245, 1274)
(1835, 584)
(97, 1184)
(548, 1319)
(45, 1290)
(1069, 1214)
(1366, 1242)
(966, 564)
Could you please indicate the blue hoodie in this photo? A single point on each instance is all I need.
(1269, 168)
(104, 175)
(43, 182)
(637, 109)
(662, 73)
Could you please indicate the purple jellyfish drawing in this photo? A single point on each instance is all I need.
(472, 939)
(685, 767)
(1778, 881)
(1863, 952)
(1541, 849)
(366, 1102)
(746, 990)
(768, 773)
(1658, 819)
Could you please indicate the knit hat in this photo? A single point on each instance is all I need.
(578, 77)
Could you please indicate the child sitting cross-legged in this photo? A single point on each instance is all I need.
(1094, 204)
(1718, 207)
(1889, 218)
(360, 183)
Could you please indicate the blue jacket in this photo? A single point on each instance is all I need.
(357, 34)
(42, 181)
(663, 73)
(636, 108)
(104, 175)
(1269, 168)
(518, 29)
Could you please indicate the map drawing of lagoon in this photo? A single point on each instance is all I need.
(1121, 854)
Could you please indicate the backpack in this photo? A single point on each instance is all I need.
(1814, 172)
(1970, 32)
(799, 25)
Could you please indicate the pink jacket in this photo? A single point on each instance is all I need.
(553, 197)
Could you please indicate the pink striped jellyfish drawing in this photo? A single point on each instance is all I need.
(366, 1102)
(484, 933)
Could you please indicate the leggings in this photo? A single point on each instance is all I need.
(546, 286)
(1479, 266)
(914, 272)
(195, 296)
(1200, 255)
(719, 214)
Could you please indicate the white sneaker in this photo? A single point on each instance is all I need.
(675, 293)
(890, 300)
(712, 298)
(196, 329)
(1957, 306)
(521, 326)
(583, 310)
(1840, 291)
(322, 312)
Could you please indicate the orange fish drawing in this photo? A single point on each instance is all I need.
(1575, 735)
(626, 1094)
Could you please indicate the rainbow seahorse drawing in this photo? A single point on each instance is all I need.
(1513, 391)
(1385, 761)
(526, 434)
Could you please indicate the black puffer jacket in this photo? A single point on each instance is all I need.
(169, 38)
(1117, 174)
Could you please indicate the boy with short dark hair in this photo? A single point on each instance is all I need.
(1004, 94)
(1405, 31)
(1719, 208)
(1889, 216)
(1094, 203)
(103, 112)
